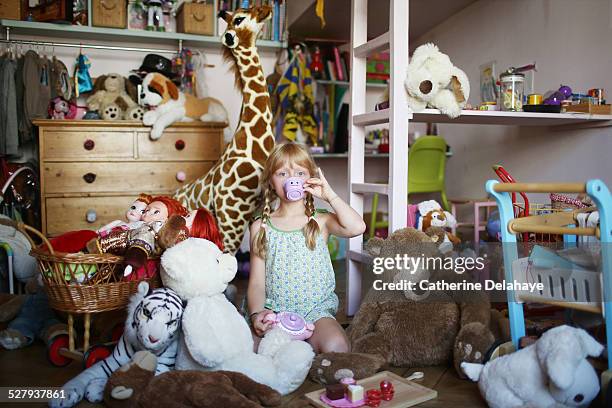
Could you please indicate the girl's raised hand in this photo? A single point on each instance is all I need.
(319, 187)
(259, 325)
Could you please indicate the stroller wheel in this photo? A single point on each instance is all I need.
(96, 353)
(53, 348)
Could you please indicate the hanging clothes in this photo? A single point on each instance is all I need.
(26, 134)
(9, 135)
(60, 82)
(296, 100)
(37, 94)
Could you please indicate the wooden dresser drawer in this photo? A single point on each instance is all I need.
(69, 214)
(83, 145)
(175, 145)
(133, 177)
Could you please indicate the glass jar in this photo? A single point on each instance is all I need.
(512, 89)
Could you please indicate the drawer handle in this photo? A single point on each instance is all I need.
(180, 144)
(89, 178)
(89, 144)
(91, 216)
(181, 176)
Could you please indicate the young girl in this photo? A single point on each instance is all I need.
(291, 269)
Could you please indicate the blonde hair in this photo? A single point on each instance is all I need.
(281, 154)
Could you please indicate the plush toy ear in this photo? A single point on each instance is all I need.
(226, 16)
(374, 246)
(560, 350)
(229, 266)
(172, 89)
(143, 288)
(131, 90)
(262, 13)
(99, 84)
(460, 85)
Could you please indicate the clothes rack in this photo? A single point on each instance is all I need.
(8, 40)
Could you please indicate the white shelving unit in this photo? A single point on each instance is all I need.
(398, 117)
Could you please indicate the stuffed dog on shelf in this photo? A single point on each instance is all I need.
(170, 105)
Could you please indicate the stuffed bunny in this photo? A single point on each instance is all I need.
(553, 372)
(433, 80)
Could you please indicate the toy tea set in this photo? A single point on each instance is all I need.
(384, 390)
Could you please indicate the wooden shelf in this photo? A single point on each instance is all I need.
(346, 83)
(368, 188)
(117, 34)
(380, 43)
(371, 118)
(476, 117)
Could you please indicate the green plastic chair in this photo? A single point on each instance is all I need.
(426, 169)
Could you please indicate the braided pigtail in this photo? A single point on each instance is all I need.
(311, 230)
(261, 241)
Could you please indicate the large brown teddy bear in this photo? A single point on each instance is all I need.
(114, 99)
(414, 328)
(136, 385)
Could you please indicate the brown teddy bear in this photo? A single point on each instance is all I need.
(421, 328)
(113, 98)
(136, 385)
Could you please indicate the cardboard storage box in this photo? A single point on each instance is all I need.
(195, 18)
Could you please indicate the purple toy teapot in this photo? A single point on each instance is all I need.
(292, 323)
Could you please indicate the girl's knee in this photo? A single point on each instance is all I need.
(335, 344)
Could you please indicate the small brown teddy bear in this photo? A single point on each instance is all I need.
(136, 385)
(113, 98)
(415, 327)
(330, 368)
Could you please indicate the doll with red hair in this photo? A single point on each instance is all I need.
(197, 224)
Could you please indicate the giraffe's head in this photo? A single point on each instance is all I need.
(243, 26)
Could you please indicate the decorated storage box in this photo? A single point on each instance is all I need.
(195, 18)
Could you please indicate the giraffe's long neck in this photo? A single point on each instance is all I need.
(256, 112)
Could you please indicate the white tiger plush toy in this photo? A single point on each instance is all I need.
(152, 324)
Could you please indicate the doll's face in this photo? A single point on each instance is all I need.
(283, 173)
(189, 219)
(136, 211)
(156, 211)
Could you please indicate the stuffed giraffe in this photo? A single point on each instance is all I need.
(231, 188)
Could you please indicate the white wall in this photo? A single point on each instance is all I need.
(571, 43)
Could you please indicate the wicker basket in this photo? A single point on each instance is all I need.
(81, 283)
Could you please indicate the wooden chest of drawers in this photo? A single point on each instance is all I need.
(90, 171)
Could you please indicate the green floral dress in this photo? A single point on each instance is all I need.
(297, 279)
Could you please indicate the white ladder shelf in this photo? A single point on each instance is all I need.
(398, 115)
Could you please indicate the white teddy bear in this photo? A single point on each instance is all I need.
(553, 372)
(214, 335)
(433, 80)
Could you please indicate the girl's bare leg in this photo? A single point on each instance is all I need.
(329, 336)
